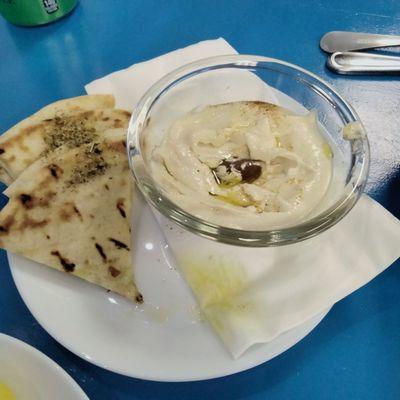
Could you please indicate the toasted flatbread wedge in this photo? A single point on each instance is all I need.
(74, 104)
(71, 211)
(25, 145)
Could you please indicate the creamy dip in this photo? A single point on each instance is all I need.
(244, 165)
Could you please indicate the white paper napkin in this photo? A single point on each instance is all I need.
(129, 85)
(252, 295)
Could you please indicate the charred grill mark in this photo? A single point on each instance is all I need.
(55, 170)
(77, 212)
(26, 200)
(2, 151)
(5, 227)
(99, 248)
(96, 150)
(120, 206)
(118, 123)
(113, 271)
(139, 298)
(30, 202)
(67, 265)
(32, 223)
(119, 244)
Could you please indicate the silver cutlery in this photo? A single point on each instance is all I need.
(363, 63)
(336, 41)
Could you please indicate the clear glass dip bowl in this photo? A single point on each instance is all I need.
(242, 77)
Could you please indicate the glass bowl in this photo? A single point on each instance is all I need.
(243, 77)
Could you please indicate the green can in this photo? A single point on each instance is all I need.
(35, 12)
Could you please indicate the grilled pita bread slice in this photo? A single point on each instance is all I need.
(74, 104)
(70, 211)
(31, 141)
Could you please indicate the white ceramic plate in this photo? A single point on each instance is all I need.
(165, 339)
(32, 375)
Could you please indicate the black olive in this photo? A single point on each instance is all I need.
(249, 169)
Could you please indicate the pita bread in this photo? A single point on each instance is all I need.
(70, 211)
(25, 145)
(74, 104)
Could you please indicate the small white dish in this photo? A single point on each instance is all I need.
(164, 339)
(31, 375)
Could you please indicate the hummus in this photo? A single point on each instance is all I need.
(244, 165)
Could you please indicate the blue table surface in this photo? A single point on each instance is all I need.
(355, 352)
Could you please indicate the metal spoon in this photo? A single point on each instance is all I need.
(363, 63)
(335, 41)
